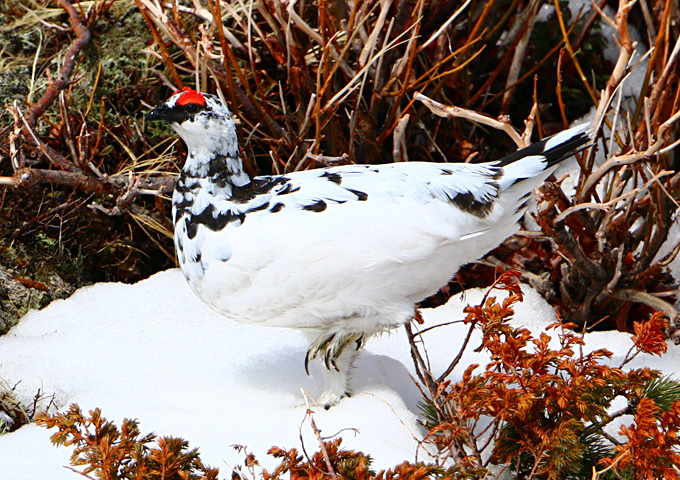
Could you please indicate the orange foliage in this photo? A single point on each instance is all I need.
(650, 336)
(121, 454)
(652, 448)
(548, 401)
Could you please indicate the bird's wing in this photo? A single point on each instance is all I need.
(469, 188)
(336, 242)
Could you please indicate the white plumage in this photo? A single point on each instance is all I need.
(341, 253)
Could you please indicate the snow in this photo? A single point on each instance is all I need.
(152, 351)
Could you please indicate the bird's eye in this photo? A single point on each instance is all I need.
(193, 107)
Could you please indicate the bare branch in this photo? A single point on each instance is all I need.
(458, 112)
(627, 159)
(310, 414)
(653, 301)
(27, 177)
(607, 205)
(63, 79)
(399, 153)
(444, 25)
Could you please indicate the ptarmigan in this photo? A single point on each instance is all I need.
(341, 253)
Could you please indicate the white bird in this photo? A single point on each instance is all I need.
(341, 253)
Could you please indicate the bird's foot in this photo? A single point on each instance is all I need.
(331, 398)
(329, 348)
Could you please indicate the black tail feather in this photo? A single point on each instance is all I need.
(553, 155)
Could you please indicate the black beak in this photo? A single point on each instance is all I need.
(161, 113)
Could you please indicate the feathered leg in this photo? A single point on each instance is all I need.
(337, 353)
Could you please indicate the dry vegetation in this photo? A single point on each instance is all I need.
(544, 409)
(84, 182)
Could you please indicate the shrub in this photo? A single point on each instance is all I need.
(112, 453)
(14, 413)
(544, 411)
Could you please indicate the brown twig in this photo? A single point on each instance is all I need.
(625, 51)
(570, 49)
(326, 160)
(606, 206)
(528, 18)
(565, 239)
(399, 153)
(653, 64)
(422, 368)
(149, 11)
(27, 177)
(627, 159)
(650, 300)
(63, 80)
(317, 433)
(453, 111)
(79, 472)
(16, 151)
(22, 125)
(454, 363)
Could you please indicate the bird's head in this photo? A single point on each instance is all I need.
(201, 119)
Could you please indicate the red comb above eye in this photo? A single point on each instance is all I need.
(190, 96)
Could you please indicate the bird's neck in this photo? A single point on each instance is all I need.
(213, 154)
(223, 172)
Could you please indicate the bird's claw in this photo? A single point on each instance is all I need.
(330, 347)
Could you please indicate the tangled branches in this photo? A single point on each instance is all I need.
(346, 82)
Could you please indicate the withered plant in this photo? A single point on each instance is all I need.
(356, 81)
(312, 83)
(602, 253)
(70, 145)
(611, 255)
(539, 409)
(15, 413)
(112, 453)
(332, 82)
(338, 82)
(104, 451)
(543, 411)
